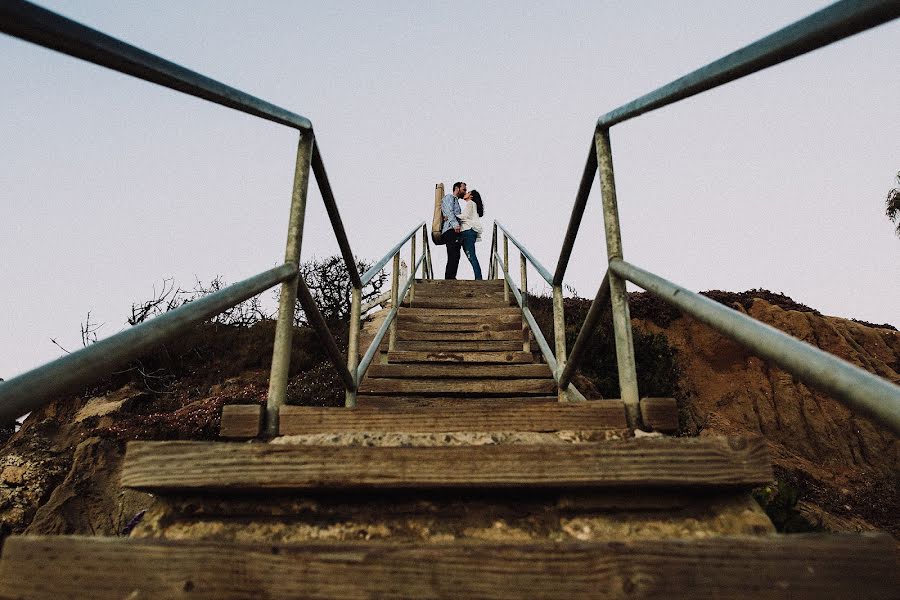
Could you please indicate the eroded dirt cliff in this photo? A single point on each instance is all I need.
(59, 474)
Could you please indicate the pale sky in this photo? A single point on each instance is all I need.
(111, 184)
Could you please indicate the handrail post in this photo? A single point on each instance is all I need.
(505, 267)
(395, 280)
(426, 270)
(353, 345)
(412, 269)
(284, 329)
(619, 298)
(492, 269)
(559, 335)
(523, 287)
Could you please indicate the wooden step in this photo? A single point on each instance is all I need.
(447, 387)
(709, 462)
(460, 312)
(459, 345)
(460, 357)
(450, 336)
(468, 284)
(521, 416)
(800, 567)
(461, 324)
(455, 371)
(451, 301)
(457, 403)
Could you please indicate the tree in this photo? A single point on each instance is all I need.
(329, 284)
(892, 205)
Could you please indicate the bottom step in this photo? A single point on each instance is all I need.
(711, 462)
(780, 566)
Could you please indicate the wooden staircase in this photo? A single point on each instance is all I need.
(459, 474)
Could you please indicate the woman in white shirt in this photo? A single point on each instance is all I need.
(471, 227)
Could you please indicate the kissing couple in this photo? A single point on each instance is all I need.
(461, 227)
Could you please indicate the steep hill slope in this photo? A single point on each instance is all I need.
(835, 471)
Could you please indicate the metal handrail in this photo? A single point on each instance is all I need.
(867, 393)
(373, 271)
(587, 329)
(32, 23)
(33, 389)
(318, 168)
(870, 394)
(382, 330)
(829, 25)
(321, 328)
(534, 262)
(529, 318)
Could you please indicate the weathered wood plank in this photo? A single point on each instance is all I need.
(799, 567)
(460, 324)
(456, 371)
(240, 421)
(459, 345)
(581, 416)
(452, 336)
(221, 466)
(458, 403)
(467, 284)
(660, 413)
(461, 312)
(451, 301)
(458, 386)
(460, 357)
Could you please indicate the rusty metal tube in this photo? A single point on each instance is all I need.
(284, 329)
(585, 333)
(353, 345)
(31, 390)
(628, 387)
(40, 26)
(862, 391)
(379, 336)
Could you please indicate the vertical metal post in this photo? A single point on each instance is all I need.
(395, 280)
(412, 269)
(426, 267)
(506, 268)
(284, 329)
(492, 269)
(559, 335)
(618, 296)
(353, 345)
(523, 287)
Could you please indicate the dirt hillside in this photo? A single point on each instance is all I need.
(835, 471)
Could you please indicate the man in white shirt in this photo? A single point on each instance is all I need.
(451, 228)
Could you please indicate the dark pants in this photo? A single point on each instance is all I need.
(452, 241)
(468, 243)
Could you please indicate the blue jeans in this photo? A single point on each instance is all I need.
(468, 244)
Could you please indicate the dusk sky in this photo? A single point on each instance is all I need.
(111, 184)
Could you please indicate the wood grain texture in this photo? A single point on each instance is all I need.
(458, 336)
(458, 386)
(513, 322)
(798, 567)
(458, 403)
(444, 317)
(240, 421)
(222, 466)
(460, 357)
(660, 413)
(511, 371)
(459, 345)
(449, 301)
(461, 312)
(520, 416)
